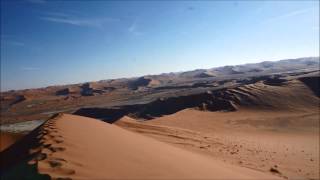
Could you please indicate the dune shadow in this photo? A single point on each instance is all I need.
(312, 83)
(160, 107)
(14, 160)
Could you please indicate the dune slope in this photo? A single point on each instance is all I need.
(76, 147)
(263, 140)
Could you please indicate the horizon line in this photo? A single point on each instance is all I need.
(137, 76)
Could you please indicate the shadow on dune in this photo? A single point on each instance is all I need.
(312, 83)
(225, 99)
(14, 160)
(205, 101)
(274, 80)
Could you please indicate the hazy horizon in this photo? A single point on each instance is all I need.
(140, 75)
(47, 43)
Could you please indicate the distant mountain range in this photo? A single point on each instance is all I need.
(180, 88)
(218, 73)
(281, 66)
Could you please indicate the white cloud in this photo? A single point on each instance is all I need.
(77, 21)
(29, 68)
(10, 40)
(57, 14)
(15, 43)
(133, 29)
(287, 15)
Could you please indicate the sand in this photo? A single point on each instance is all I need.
(7, 139)
(83, 148)
(272, 132)
(287, 142)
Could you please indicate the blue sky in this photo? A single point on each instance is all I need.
(49, 42)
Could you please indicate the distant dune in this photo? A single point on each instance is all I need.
(29, 104)
(264, 93)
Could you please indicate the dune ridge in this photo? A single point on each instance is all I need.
(267, 93)
(75, 147)
(286, 143)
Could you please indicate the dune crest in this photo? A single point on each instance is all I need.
(268, 141)
(77, 147)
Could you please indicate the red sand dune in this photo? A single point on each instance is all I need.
(7, 139)
(84, 148)
(262, 140)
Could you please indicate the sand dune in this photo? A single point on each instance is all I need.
(75, 147)
(7, 139)
(263, 94)
(287, 142)
(258, 121)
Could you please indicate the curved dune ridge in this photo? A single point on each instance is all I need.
(266, 94)
(75, 147)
